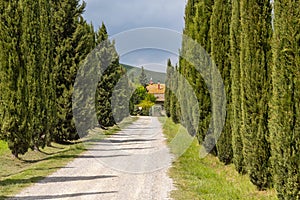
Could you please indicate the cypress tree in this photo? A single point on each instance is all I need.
(83, 96)
(121, 96)
(197, 27)
(31, 37)
(284, 122)
(167, 90)
(68, 38)
(48, 88)
(13, 79)
(255, 88)
(187, 70)
(111, 72)
(202, 21)
(235, 48)
(174, 103)
(220, 47)
(143, 78)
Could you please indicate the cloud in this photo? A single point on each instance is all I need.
(151, 59)
(123, 15)
(120, 15)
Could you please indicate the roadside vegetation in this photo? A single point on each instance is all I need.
(16, 174)
(254, 46)
(208, 178)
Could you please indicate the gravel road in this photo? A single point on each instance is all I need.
(132, 164)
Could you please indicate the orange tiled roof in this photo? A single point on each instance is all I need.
(153, 89)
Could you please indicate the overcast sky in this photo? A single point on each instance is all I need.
(123, 15)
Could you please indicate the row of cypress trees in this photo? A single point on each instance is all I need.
(256, 47)
(43, 43)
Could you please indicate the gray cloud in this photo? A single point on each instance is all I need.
(120, 15)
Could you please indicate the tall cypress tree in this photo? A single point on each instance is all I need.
(143, 78)
(197, 27)
(111, 72)
(68, 37)
(167, 90)
(47, 83)
(14, 91)
(174, 103)
(197, 17)
(235, 48)
(121, 96)
(220, 47)
(255, 88)
(31, 37)
(285, 109)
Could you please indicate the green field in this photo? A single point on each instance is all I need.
(16, 174)
(207, 178)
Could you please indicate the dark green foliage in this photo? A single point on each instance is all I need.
(255, 88)
(201, 20)
(174, 101)
(138, 95)
(28, 93)
(143, 78)
(121, 97)
(167, 90)
(43, 42)
(237, 143)
(141, 97)
(284, 122)
(220, 47)
(111, 72)
(101, 34)
(13, 80)
(197, 27)
(68, 38)
(172, 93)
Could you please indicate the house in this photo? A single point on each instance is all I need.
(158, 90)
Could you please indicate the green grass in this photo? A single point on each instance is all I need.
(207, 178)
(16, 174)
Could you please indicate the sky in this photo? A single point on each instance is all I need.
(124, 15)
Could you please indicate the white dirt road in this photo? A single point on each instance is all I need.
(132, 164)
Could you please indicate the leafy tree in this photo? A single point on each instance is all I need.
(139, 94)
(284, 121)
(220, 46)
(255, 80)
(146, 106)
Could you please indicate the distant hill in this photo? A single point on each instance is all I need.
(134, 73)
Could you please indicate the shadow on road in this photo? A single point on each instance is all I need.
(52, 179)
(72, 156)
(55, 196)
(126, 141)
(121, 149)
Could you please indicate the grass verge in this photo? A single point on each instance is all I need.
(207, 178)
(16, 174)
